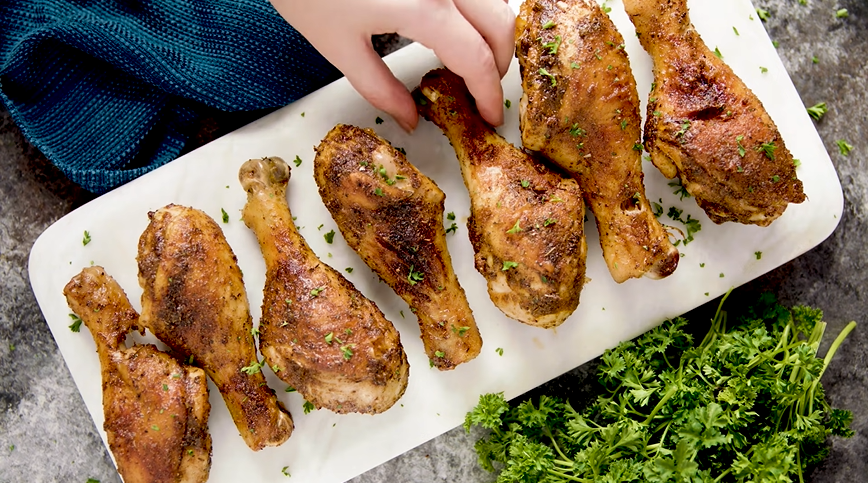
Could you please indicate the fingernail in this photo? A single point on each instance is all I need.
(406, 126)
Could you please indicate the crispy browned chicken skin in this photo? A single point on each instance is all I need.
(392, 216)
(581, 110)
(194, 301)
(521, 211)
(706, 126)
(156, 409)
(322, 336)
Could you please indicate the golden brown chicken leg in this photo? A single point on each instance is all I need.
(156, 409)
(392, 216)
(194, 301)
(526, 221)
(581, 110)
(706, 126)
(321, 334)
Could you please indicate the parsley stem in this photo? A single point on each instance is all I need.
(671, 392)
(548, 433)
(570, 477)
(834, 348)
(720, 476)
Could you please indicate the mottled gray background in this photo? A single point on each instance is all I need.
(47, 435)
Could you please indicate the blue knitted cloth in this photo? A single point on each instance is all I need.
(98, 85)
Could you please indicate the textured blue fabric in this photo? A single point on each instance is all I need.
(98, 85)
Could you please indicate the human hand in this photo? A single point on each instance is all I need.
(473, 38)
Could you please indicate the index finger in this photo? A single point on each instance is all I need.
(463, 50)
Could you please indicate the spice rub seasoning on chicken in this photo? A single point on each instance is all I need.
(707, 127)
(580, 109)
(392, 216)
(317, 332)
(526, 219)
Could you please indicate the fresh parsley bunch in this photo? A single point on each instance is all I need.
(746, 404)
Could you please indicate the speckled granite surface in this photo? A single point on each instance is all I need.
(47, 435)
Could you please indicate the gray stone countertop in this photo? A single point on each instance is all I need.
(46, 434)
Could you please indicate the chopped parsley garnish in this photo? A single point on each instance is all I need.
(553, 45)
(349, 269)
(548, 25)
(378, 191)
(796, 163)
(253, 368)
(844, 147)
(815, 59)
(623, 124)
(763, 70)
(86, 238)
(297, 161)
(307, 407)
(763, 14)
(378, 120)
(717, 53)
(758, 255)
(224, 215)
(692, 225)
(329, 237)
(329, 337)
(680, 190)
(741, 150)
(735, 30)
(165, 387)
(684, 127)
(545, 73)
(575, 65)
(817, 110)
(525, 183)
(439, 353)
(576, 131)
(842, 13)
(499, 351)
(450, 216)
(637, 147)
(507, 103)
(549, 221)
(75, 326)
(285, 469)
(315, 292)
(775, 178)
(515, 228)
(460, 330)
(289, 389)
(768, 149)
(657, 209)
(507, 265)
(453, 228)
(347, 351)
(414, 277)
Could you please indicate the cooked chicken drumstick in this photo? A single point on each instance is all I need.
(194, 301)
(321, 335)
(580, 109)
(392, 216)
(156, 409)
(706, 126)
(526, 221)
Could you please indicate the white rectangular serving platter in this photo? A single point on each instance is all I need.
(326, 447)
